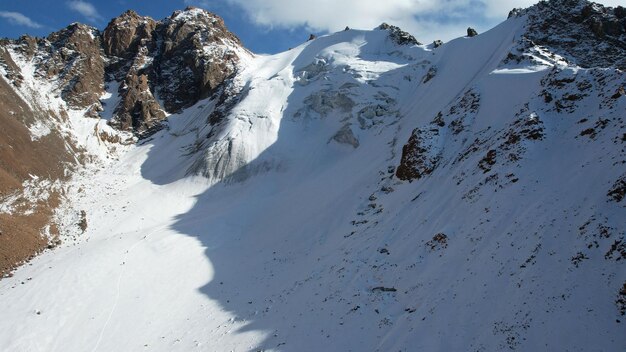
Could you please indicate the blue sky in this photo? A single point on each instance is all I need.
(270, 26)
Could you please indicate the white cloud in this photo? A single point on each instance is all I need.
(427, 19)
(19, 19)
(86, 9)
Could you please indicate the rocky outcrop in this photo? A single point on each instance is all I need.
(182, 59)
(138, 110)
(420, 157)
(584, 33)
(83, 78)
(471, 32)
(72, 59)
(399, 36)
(197, 54)
(126, 34)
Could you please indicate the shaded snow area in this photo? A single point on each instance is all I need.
(353, 194)
(110, 99)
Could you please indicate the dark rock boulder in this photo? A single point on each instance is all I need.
(419, 158)
(399, 36)
(471, 32)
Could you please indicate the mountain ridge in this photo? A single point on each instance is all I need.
(352, 193)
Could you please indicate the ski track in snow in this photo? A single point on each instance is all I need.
(117, 291)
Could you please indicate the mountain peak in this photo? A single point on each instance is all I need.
(124, 34)
(195, 13)
(585, 33)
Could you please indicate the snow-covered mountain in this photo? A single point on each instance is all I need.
(359, 192)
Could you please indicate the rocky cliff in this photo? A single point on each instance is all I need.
(132, 75)
(158, 67)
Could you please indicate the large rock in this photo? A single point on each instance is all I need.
(196, 55)
(125, 34)
(471, 32)
(398, 35)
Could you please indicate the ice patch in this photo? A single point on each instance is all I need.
(110, 99)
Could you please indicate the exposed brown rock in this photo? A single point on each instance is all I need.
(75, 58)
(621, 300)
(618, 192)
(138, 110)
(125, 34)
(398, 35)
(21, 157)
(184, 58)
(196, 56)
(438, 242)
(417, 160)
(488, 161)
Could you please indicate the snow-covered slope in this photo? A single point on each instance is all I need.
(354, 194)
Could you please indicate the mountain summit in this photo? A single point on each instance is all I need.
(362, 191)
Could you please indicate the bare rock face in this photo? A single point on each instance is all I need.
(138, 111)
(129, 42)
(197, 54)
(584, 33)
(125, 34)
(181, 59)
(72, 57)
(419, 158)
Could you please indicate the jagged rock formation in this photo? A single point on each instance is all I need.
(180, 60)
(72, 59)
(126, 34)
(398, 35)
(198, 53)
(584, 33)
